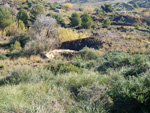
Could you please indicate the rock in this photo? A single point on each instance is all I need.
(53, 53)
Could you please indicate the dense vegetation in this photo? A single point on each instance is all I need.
(107, 70)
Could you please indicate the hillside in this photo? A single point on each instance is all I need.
(141, 3)
(76, 56)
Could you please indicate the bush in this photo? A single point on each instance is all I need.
(107, 8)
(131, 95)
(35, 47)
(89, 53)
(2, 57)
(2, 66)
(63, 68)
(137, 26)
(16, 46)
(87, 21)
(22, 15)
(82, 64)
(114, 60)
(77, 63)
(12, 30)
(140, 65)
(75, 20)
(25, 75)
(20, 38)
(106, 23)
(93, 98)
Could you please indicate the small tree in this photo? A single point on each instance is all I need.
(45, 37)
(45, 22)
(5, 19)
(22, 15)
(16, 46)
(75, 20)
(137, 26)
(106, 23)
(35, 11)
(136, 5)
(98, 12)
(87, 21)
(107, 8)
(21, 25)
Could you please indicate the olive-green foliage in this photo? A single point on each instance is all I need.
(20, 38)
(62, 68)
(29, 4)
(2, 66)
(136, 5)
(136, 26)
(5, 18)
(113, 60)
(107, 8)
(98, 12)
(83, 63)
(16, 46)
(21, 25)
(87, 21)
(135, 65)
(140, 65)
(58, 17)
(25, 75)
(89, 53)
(39, 97)
(106, 23)
(131, 95)
(52, 7)
(72, 88)
(22, 15)
(35, 11)
(2, 57)
(75, 20)
(38, 9)
(93, 98)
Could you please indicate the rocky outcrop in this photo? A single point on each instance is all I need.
(79, 44)
(65, 52)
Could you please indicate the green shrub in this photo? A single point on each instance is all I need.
(22, 15)
(106, 23)
(137, 26)
(89, 53)
(35, 47)
(63, 68)
(114, 60)
(78, 63)
(107, 8)
(16, 46)
(140, 65)
(20, 38)
(75, 20)
(2, 66)
(2, 57)
(131, 95)
(93, 98)
(87, 21)
(26, 75)
(111, 54)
